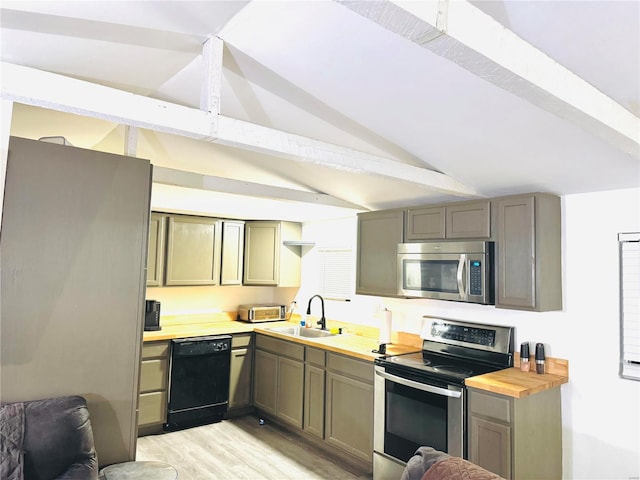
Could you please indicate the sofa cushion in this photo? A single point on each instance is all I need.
(58, 440)
(11, 441)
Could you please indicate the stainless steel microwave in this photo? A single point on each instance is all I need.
(460, 271)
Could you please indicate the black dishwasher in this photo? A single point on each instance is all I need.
(198, 381)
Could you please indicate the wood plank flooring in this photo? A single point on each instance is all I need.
(241, 448)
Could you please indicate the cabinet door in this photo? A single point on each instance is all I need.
(265, 381)
(232, 253)
(516, 252)
(155, 253)
(261, 253)
(490, 445)
(425, 224)
(290, 390)
(314, 400)
(152, 408)
(469, 220)
(240, 378)
(193, 251)
(349, 415)
(378, 236)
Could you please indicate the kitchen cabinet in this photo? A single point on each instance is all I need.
(156, 250)
(378, 236)
(267, 260)
(516, 438)
(154, 380)
(193, 251)
(232, 252)
(349, 406)
(314, 391)
(529, 273)
(455, 221)
(240, 373)
(279, 379)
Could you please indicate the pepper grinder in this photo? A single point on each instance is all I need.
(539, 358)
(525, 365)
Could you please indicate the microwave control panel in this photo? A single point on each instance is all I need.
(475, 277)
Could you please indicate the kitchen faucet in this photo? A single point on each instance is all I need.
(322, 322)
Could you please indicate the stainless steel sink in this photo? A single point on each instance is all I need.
(302, 332)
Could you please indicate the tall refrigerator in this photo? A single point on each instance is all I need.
(73, 257)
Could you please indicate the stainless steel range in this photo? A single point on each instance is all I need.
(420, 398)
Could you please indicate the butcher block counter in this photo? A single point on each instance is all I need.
(359, 341)
(515, 383)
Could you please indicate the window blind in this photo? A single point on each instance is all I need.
(629, 305)
(336, 273)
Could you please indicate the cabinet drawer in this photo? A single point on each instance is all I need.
(315, 356)
(241, 341)
(281, 347)
(153, 375)
(490, 406)
(153, 408)
(350, 367)
(155, 349)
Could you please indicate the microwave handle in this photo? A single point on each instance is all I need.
(460, 277)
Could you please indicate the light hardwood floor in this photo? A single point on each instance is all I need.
(241, 448)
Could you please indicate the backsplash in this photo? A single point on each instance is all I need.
(214, 299)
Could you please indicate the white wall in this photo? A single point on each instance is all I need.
(601, 419)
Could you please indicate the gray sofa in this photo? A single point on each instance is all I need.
(46, 440)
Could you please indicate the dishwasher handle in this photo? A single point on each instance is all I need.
(200, 346)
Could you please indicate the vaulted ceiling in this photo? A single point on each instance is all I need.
(332, 106)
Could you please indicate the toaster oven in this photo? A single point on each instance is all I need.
(261, 312)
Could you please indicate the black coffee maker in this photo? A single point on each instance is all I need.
(152, 316)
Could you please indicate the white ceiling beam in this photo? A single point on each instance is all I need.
(210, 94)
(241, 134)
(130, 141)
(181, 178)
(57, 92)
(462, 33)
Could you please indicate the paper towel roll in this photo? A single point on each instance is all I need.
(385, 327)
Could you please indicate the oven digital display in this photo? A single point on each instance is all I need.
(478, 336)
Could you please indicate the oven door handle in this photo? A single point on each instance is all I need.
(420, 386)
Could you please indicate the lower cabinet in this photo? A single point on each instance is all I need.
(516, 438)
(349, 406)
(154, 378)
(279, 379)
(240, 374)
(314, 392)
(325, 395)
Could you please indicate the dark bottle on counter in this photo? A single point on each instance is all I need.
(539, 358)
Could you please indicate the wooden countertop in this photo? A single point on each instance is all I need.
(359, 342)
(513, 382)
(353, 343)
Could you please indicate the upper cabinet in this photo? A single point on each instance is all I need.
(529, 269)
(526, 230)
(459, 220)
(193, 251)
(232, 252)
(267, 260)
(378, 236)
(155, 252)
